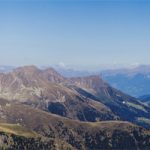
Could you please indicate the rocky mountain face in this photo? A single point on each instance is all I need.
(46, 90)
(49, 131)
(84, 98)
(122, 105)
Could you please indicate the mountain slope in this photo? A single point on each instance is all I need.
(122, 105)
(84, 98)
(14, 136)
(46, 90)
(76, 134)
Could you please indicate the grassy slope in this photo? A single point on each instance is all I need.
(80, 135)
(17, 130)
(14, 136)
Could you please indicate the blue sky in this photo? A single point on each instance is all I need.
(78, 33)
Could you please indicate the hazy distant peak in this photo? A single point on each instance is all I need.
(30, 69)
(51, 70)
(92, 82)
(94, 78)
(52, 75)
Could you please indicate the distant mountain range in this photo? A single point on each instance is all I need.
(133, 81)
(6, 68)
(70, 72)
(80, 112)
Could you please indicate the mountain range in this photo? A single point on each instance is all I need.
(81, 112)
(134, 81)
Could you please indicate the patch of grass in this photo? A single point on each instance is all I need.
(142, 119)
(17, 130)
(136, 106)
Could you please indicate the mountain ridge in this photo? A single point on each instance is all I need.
(83, 98)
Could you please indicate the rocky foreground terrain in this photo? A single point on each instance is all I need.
(28, 128)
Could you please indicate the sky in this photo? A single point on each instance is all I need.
(75, 32)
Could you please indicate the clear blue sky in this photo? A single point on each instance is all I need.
(75, 32)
